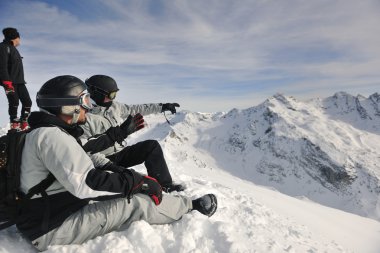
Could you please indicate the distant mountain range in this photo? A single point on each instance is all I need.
(325, 150)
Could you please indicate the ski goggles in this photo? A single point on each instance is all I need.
(112, 95)
(85, 100)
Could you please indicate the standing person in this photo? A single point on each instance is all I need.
(12, 79)
(66, 213)
(108, 113)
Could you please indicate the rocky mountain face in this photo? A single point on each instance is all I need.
(325, 150)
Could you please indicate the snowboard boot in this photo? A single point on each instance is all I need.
(206, 205)
(15, 124)
(24, 125)
(173, 187)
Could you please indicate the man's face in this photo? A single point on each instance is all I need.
(82, 116)
(107, 99)
(16, 42)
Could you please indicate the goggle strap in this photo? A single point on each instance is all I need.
(101, 91)
(54, 102)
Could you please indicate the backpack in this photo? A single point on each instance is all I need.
(11, 147)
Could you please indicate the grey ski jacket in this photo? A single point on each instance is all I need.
(100, 119)
(50, 149)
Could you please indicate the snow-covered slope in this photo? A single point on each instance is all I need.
(290, 176)
(326, 150)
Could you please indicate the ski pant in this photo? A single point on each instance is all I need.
(148, 152)
(99, 218)
(21, 94)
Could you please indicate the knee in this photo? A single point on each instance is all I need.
(13, 100)
(153, 144)
(156, 147)
(27, 104)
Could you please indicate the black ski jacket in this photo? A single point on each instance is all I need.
(11, 67)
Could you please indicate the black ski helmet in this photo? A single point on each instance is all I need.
(59, 93)
(101, 86)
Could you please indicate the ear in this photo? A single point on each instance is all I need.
(77, 109)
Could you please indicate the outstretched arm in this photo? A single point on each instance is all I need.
(100, 142)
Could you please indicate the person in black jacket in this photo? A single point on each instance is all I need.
(12, 78)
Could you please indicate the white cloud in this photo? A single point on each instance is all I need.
(289, 45)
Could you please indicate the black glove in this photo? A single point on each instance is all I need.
(132, 124)
(119, 133)
(125, 181)
(133, 182)
(170, 107)
(152, 188)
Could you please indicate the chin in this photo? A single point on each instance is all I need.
(82, 122)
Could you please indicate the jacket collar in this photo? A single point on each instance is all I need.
(8, 42)
(43, 119)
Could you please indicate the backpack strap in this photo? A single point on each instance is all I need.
(41, 189)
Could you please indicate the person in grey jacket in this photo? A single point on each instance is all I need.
(82, 201)
(110, 115)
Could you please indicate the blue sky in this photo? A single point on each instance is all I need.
(207, 55)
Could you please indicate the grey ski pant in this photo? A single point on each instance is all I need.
(99, 218)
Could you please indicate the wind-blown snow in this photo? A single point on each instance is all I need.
(290, 176)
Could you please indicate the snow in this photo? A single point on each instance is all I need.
(274, 209)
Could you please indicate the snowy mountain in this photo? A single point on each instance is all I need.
(290, 176)
(326, 150)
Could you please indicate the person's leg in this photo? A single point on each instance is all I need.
(13, 102)
(148, 152)
(102, 217)
(25, 101)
